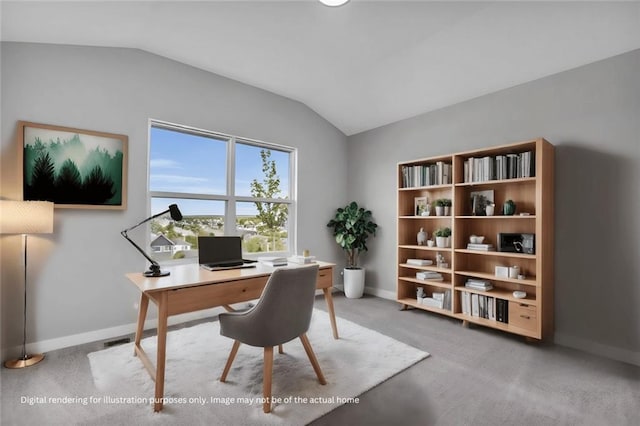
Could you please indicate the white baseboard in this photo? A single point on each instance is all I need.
(103, 334)
(595, 348)
(384, 294)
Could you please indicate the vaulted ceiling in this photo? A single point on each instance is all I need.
(360, 66)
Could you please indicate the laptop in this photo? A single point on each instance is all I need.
(218, 253)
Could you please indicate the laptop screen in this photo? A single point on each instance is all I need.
(219, 250)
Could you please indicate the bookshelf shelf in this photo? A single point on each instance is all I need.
(491, 277)
(529, 217)
(529, 168)
(422, 188)
(502, 294)
(424, 248)
(496, 253)
(424, 217)
(414, 303)
(493, 183)
(441, 284)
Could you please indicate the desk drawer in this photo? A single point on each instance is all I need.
(211, 295)
(325, 278)
(523, 315)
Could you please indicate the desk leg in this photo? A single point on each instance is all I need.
(162, 350)
(332, 315)
(142, 316)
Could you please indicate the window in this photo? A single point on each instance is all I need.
(223, 185)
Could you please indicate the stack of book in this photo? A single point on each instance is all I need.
(440, 300)
(303, 260)
(419, 262)
(485, 247)
(433, 302)
(429, 275)
(273, 260)
(481, 285)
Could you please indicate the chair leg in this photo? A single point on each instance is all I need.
(232, 356)
(312, 358)
(266, 378)
(280, 349)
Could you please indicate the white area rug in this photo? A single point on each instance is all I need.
(358, 361)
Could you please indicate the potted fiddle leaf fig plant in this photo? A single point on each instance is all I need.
(351, 226)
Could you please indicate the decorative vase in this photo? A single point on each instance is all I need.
(422, 237)
(509, 208)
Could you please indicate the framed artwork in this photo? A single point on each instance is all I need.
(74, 168)
(479, 202)
(419, 205)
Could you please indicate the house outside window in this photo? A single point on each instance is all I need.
(223, 185)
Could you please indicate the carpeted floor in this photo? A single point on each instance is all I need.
(474, 376)
(353, 364)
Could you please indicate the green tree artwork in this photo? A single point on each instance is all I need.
(69, 167)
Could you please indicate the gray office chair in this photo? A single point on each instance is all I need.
(282, 314)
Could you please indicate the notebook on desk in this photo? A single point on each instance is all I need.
(219, 253)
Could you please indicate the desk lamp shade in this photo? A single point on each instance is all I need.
(25, 217)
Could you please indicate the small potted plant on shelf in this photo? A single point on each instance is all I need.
(439, 207)
(447, 206)
(352, 225)
(443, 237)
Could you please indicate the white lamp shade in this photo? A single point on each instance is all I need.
(333, 2)
(26, 217)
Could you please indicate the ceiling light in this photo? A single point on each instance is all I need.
(333, 3)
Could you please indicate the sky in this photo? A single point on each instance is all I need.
(186, 163)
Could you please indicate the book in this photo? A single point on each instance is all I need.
(466, 303)
(272, 260)
(434, 303)
(486, 247)
(502, 310)
(478, 285)
(303, 260)
(446, 303)
(475, 305)
(428, 275)
(419, 262)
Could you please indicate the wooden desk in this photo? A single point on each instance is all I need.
(191, 288)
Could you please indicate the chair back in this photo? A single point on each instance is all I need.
(284, 310)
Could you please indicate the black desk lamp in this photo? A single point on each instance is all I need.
(154, 269)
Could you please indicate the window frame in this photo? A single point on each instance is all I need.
(230, 198)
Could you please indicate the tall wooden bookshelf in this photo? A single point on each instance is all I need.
(530, 186)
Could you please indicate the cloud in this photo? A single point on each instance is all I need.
(164, 163)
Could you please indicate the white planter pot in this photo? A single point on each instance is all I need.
(353, 283)
(443, 241)
(439, 210)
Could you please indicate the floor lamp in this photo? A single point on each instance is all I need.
(25, 217)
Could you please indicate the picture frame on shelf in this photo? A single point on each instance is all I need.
(73, 168)
(421, 206)
(480, 200)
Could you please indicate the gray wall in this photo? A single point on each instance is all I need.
(77, 282)
(592, 116)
